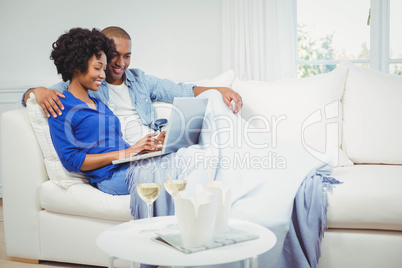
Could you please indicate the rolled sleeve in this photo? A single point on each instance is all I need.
(61, 86)
(23, 97)
(166, 90)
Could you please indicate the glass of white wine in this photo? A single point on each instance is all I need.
(180, 186)
(149, 192)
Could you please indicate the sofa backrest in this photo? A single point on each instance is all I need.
(367, 122)
(372, 118)
(305, 112)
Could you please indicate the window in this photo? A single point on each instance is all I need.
(365, 32)
(395, 52)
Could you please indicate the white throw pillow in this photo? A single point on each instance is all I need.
(372, 119)
(55, 170)
(225, 79)
(303, 111)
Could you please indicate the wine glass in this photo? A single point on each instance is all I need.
(149, 192)
(180, 186)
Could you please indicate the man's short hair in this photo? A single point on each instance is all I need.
(117, 32)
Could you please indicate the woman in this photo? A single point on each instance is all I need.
(87, 136)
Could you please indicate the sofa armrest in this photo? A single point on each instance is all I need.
(23, 171)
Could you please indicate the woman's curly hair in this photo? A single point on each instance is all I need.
(73, 50)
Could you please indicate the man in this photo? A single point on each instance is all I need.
(129, 92)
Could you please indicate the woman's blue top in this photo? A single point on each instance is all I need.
(81, 130)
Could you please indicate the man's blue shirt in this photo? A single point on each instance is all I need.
(81, 130)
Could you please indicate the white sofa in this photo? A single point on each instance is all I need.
(352, 113)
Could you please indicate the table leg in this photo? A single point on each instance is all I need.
(111, 261)
(254, 262)
(247, 263)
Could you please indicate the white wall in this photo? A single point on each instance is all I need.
(176, 39)
(180, 39)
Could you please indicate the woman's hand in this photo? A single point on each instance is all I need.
(147, 144)
(160, 140)
(161, 137)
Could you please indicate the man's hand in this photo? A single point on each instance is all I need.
(228, 96)
(49, 100)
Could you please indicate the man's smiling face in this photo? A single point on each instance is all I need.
(121, 61)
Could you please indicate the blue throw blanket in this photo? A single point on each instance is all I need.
(309, 221)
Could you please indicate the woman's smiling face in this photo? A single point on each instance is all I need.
(95, 73)
(121, 61)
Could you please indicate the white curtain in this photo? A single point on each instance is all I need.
(259, 38)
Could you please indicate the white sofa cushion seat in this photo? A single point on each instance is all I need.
(369, 198)
(84, 200)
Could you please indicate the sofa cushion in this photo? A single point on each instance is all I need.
(84, 200)
(369, 198)
(372, 116)
(303, 111)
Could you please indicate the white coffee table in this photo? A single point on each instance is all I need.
(125, 242)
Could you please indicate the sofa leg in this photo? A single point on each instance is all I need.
(31, 261)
